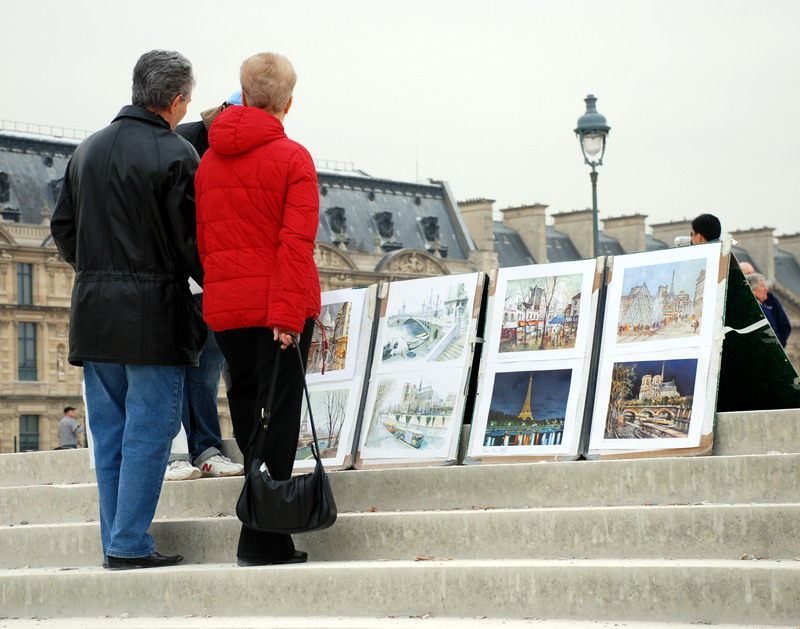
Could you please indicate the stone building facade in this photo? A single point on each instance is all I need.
(370, 230)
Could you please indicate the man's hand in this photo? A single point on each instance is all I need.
(284, 336)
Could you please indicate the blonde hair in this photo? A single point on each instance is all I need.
(268, 80)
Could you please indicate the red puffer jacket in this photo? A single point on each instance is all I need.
(257, 217)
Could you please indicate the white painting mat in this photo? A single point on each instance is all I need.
(709, 254)
(334, 405)
(393, 421)
(497, 314)
(573, 409)
(428, 305)
(702, 388)
(357, 298)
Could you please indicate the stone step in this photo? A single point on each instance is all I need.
(757, 432)
(347, 622)
(752, 432)
(708, 591)
(667, 532)
(712, 479)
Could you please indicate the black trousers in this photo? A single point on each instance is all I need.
(250, 354)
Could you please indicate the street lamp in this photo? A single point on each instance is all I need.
(592, 131)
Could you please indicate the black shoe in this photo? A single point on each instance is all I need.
(151, 561)
(299, 556)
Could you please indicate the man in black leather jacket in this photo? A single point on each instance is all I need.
(125, 221)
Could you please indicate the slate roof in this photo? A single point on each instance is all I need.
(360, 198)
(609, 246)
(653, 244)
(511, 251)
(31, 171)
(787, 271)
(560, 247)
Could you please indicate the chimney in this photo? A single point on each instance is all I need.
(529, 222)
(760, 244)
(666, 232)
(477, 215)
(578, 226)
(628, 230)
(790, 243)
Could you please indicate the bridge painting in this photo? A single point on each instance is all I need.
(651, 399)
(427, 320)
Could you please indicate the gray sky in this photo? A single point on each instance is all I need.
(701, 95)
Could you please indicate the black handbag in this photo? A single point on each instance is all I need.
(298, 505)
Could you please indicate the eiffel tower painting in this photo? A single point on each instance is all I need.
(525, 414)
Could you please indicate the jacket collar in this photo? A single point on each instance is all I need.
(140, 113)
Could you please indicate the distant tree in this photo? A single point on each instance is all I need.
(550, 290)
(334, 402)
(622, 380)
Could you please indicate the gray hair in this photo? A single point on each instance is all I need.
(754, 278)
(159, 76)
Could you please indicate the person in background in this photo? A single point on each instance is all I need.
(69, 430)
(125, 221)
(770, 305)
(705, 228)
(257, 218)
(196, 451)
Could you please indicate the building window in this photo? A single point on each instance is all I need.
(26, 343)
(24, 284)
(28, 433)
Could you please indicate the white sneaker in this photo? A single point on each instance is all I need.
(220, 465)
(181, 470)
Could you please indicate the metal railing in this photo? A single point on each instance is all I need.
(43, 129)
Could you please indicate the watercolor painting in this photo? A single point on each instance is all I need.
(651, 399)
(413, 412)
(427, 320)
(330, 412)
(335, 321)
(662, 301)
(541, 313)
(528, 408)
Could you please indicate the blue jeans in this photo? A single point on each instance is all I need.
(200, 417)
(134, 413)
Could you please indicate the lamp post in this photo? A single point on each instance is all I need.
(592, 131)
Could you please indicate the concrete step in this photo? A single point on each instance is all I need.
(711, 591)
(347, 622)
(713, 479)
(667, 532)
(752, 432)
(757, 432)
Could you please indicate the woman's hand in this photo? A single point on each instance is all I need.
(284, 336)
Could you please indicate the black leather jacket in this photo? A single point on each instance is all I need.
(125, 221)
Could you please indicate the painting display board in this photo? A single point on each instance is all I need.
(422, 358)
(750, 341)
(336, 376)
(659, 359)
(535, 362)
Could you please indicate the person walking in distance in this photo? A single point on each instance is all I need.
(69, 430)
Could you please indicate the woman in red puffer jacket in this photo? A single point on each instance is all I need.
(257, 217)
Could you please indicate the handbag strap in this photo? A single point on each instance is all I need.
(266, 411)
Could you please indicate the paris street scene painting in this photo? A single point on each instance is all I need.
(412, 412)
(528, 408)
(541, 313)
(330, 413)
(427, 320)
(651, 399)
(333, 328)
(662, 301)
